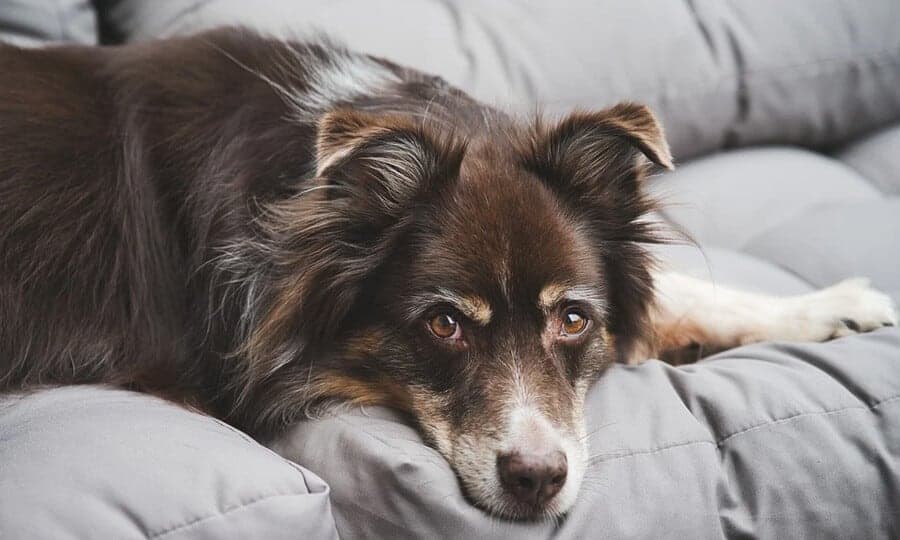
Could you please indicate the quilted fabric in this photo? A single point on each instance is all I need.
(766, 441)
(90, 462)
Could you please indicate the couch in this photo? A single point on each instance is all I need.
(784, 118)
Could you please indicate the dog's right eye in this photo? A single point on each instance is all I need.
(574, 323)
(445, 326)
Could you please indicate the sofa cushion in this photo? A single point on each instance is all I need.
(729, 267)
(721, 74)
(877, 157)
(91, 462)
(801, 213)
(836, 241)
(727, 199)
(810, 450)
(36, 22)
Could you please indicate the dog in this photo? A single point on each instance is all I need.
(261, 229)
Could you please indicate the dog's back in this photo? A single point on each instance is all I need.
(82, 290)
(131, 177)
(110, 200)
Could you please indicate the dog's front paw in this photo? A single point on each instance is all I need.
(849, 307)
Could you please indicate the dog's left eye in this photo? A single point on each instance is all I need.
(444, 326)
(573, 323)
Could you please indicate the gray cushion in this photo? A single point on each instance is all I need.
(877, 157)
(793, 211)
(767, 441)
(36, 22)
(728, 199)
(721, 74)
(90, 462)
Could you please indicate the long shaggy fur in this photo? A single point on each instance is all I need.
(212, 218)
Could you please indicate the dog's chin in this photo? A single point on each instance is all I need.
(505, 507)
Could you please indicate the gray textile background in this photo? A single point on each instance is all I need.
(721, 73)
(769, 441)
(35, 22)
(766, 441)
(90, 462)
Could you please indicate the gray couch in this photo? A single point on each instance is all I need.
(785, 120)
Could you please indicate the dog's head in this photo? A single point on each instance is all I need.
(479, 284)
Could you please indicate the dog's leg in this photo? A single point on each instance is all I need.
(690, 313)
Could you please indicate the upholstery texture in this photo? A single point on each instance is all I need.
(766, 441)
(721, 73)
(90, 462)
(815, 217)
(37, 22)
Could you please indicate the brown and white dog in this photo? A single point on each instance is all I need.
(262, 228)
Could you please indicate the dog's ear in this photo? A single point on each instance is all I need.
(324, 242)
(596, 162)
(600, 154)
(382, 163)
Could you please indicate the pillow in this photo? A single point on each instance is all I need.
(36, 22)
(91, 462)
(766, 441)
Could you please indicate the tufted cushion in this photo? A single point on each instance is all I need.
(90, 462)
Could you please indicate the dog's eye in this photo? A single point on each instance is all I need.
(444, 326)
(574, 323)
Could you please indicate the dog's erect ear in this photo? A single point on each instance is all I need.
(590, 152)
(612, 131)
(371, 171)
(596, 162)
(383, 162)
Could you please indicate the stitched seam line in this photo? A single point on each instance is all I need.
(239, 506)
(654, 450)
(801, 415)
(746, 430)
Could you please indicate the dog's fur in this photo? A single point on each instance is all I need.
(260, 228)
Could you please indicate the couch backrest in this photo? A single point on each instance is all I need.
(721, 73)
(36, 22)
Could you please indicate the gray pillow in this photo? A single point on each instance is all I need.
(90, 462)
(767, 441)
(36, 22)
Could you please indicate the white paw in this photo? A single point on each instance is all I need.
(849, 307)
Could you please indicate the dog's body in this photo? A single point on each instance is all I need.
(259, 228)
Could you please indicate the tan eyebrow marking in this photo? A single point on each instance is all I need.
(472, 306)
(554, 293)
(551, 295)
(475, 308)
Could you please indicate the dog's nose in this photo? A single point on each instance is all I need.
(532, 478)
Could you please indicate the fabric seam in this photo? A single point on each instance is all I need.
(221, 513)
(756, 427)
(805, 414)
